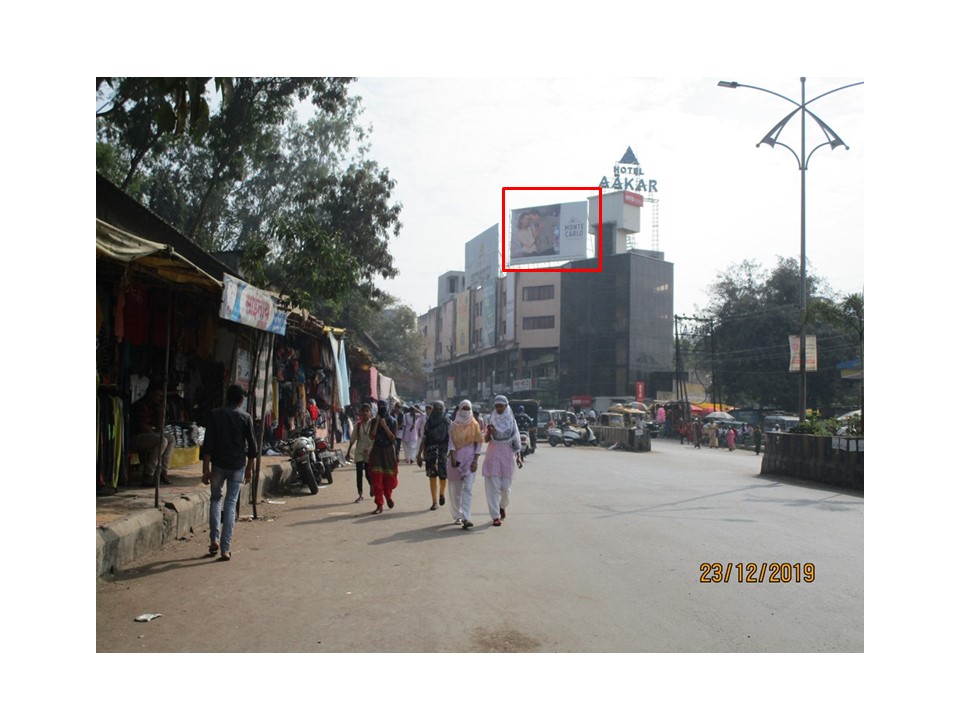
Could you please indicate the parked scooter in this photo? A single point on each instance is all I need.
(525, 447)
(570, 435)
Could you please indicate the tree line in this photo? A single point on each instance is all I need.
(744, 348)
(277, 170)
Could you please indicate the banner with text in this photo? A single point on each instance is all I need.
(247, 305)
(811, 358)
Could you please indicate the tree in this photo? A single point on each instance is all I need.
(140, 112)
(753, 312)
(309, 211)
(845, 316)
(400, 348)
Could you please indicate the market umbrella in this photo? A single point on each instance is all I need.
(723, 416)
(715, 407)
(851, 414)
(696, 410)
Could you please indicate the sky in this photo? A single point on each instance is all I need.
(452, 144)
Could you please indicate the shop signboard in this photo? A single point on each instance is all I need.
(247, 305)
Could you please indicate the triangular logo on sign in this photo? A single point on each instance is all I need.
(629, 158)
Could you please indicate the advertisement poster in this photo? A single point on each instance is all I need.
(548, 233)
(811, 353)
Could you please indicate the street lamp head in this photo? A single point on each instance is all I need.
(728, 84)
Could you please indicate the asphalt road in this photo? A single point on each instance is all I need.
(601, 551)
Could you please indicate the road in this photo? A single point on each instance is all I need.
(601, 551)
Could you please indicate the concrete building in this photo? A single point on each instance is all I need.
(560, 336)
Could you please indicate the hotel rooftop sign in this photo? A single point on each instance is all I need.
(628, 175)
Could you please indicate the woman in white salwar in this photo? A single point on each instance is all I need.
(410, 435)
(466, 438)
(503, 452)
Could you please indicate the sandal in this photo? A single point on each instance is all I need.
(378, 510)
(433, 507)
(224, 557)
(214, 548)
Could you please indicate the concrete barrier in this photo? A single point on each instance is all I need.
(186, 515)
(820, 458)
(123, 541)
(625, 438)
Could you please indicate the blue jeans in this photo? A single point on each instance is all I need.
(234, 479)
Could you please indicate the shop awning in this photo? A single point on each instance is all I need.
(124, 247)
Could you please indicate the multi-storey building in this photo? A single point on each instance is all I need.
(555, 335)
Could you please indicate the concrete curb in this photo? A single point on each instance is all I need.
(121, 542)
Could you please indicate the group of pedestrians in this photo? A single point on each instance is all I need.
(716, 434)
(450, 450)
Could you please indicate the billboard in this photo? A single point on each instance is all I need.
(548, 233)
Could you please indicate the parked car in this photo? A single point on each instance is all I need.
(784, 422)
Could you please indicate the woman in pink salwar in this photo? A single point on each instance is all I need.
(503, 452)
(466, 438)
(731, 439)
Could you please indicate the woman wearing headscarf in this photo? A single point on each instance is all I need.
(383, 458)
(466, 439)
(433, 448)
(503, 452)
(409, 433)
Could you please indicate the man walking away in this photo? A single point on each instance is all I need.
(229, 437)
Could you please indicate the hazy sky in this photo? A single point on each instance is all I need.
(452, 144)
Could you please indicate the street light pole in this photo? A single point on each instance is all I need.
(803, 161)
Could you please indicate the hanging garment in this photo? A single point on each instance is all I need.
(136, 315)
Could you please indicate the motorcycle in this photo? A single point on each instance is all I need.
(570, 436)
(328, 461)
(302, 452)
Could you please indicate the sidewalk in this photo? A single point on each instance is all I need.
(129, 524)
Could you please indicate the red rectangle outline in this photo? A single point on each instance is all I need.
(503, 232)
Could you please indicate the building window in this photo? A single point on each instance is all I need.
(479, 309)
(538, 292)
(451, 285)
(538, 322)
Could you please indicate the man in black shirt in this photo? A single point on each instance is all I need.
(230, 447)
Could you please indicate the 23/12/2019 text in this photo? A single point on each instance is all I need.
(757, 573)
